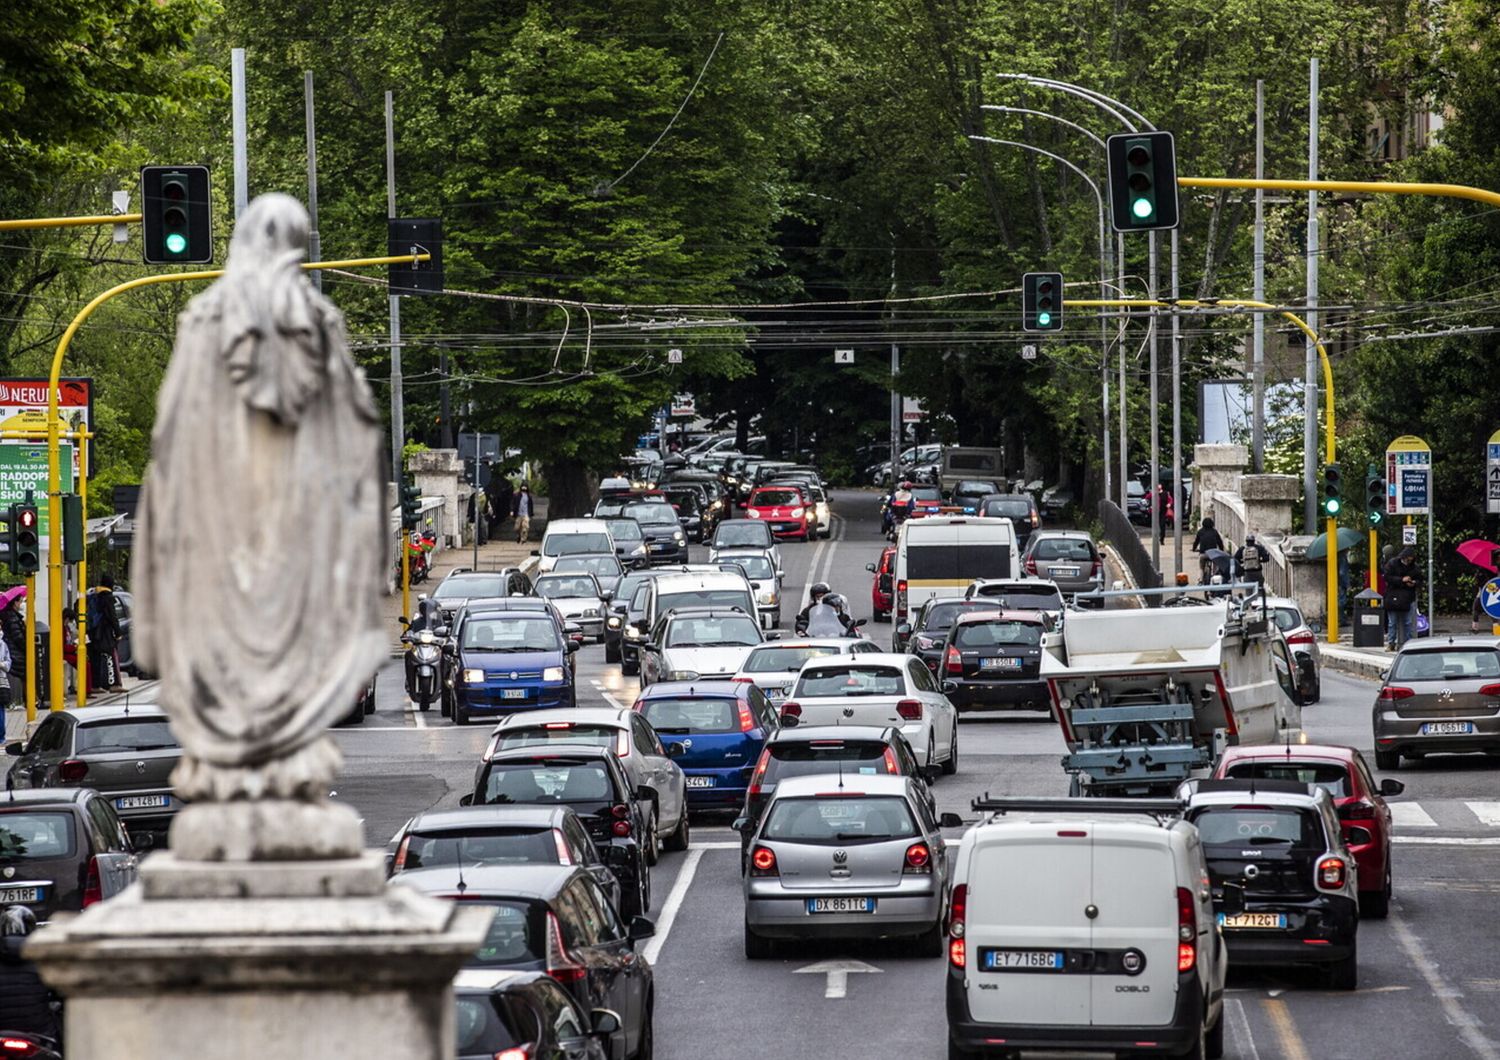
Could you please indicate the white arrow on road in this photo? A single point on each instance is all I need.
(838, 974)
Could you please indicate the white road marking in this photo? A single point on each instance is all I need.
(1239, 1029)
(715, 846)
(812, 569)
(1469, 1028)
(1487, 812)
(1410, 815)
(417, 716)
(1447, 841)
(672, 904)
(838, 972)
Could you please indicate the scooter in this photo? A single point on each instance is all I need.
(27, 1046)
(424, 666)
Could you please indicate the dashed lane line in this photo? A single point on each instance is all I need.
(1292, 1045)
(1487, 812)
(1410, 815)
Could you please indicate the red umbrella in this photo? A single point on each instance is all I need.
(1481, 553)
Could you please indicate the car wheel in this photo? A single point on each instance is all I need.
(1377, 904)
(628, 668)
(958, 1052)
(1344, 974)
(460, 714)
(653, 842)
(611, 652)
(1213, 1042)
(1389, 761)
(680, 837)
(757, 947)
(951, 765)
(646, 1046)
(930, 942)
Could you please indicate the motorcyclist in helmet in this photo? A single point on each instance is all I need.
(25, 1001)
(820, 618)
(429, 616)
(814, 598)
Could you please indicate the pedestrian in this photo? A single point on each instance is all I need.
(523, 510)
(1207, 536)
(1402, 580)
(1163, 511)
(479, 515)
(1480, 618)
(13, 630)
(1250, 560)
(25, 1001)
(500, 503)
(104, 636)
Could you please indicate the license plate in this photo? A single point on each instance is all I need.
(20, 894)
(1253, 920)
(1063, 572)
(841, 905)
(1003, 662)
(513, 693)
(776, 692)
(1447, 728)
(1030, 960)
(141, 802)
(700, 782)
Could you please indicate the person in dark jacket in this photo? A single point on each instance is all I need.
(13, 629)
(104, 637)
(1402, 582)
(1207, 537)
(1250, 561)
(25, 1001)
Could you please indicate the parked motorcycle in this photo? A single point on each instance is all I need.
(424, 665)
(25, 1046)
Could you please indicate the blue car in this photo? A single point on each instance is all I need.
(714, 730)
(509, 660)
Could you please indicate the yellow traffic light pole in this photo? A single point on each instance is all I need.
(54, 433)
(1365, 187)
(70, 222)
(1328, 444)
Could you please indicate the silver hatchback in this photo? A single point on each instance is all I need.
(1439, 696)
(851, 856)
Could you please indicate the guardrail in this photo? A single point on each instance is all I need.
(1228, 513)
(1120, 532)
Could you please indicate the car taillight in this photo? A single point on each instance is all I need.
(956, 909)
(1489, 690)
(73, 770)
(560, 963)
(621, 814)
(763, 862)
(17, 1047)
(1358, 811)
(622, 744)
(1187, 930)
(400, 861)
(1304, 637)
(759, 776)
(791, 710)
(747, 720)
(1031, 566)
(1391, 693)
(890, 761)
(743, 680)
(518, 1052)
(910, 709)
(918, 860)
(563, 856)
(901, 598)
(1331, 873)
(93, 889)
(955, 661)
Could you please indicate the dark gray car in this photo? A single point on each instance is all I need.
(1067, 558)
(62, 849)
(1438, 697)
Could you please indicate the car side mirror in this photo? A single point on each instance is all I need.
(1316, 627)
(440, 631)
(740, 824)
(144, 841)
(950, 686)
(641, 927)
(13, 748)
(1385, 675)
(950, 820)
(606, 1021)
(645, 794)
(1234, 899)
(775, 634)
(606, 594)
(870, 567)
(615, 857)
(536, 552)
(1391, 787)
(1358, 836)
(571, 646)
(790, 721)
(904, 629)
(466, 800)
(676, 750)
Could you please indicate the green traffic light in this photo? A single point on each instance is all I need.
(176, 243)
(1141, 208)
(1044, 320)
(1375, 518)
(1333, 506)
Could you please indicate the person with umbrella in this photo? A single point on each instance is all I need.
(1485, 556)
(1214, 565)
(1402, 580)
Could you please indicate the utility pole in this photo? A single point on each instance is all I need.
(237, 125)
(398, 423)
(1154, 497)
(895, 415)
(445, 408)
(1120, 347)
(314, 241)
(1310, 391)
(474, 501)
(1258, 355)
(1178, 506)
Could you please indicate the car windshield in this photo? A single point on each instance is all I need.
(604, 566)
(624, 531)
(529, 632)
(852, 757)
(554, 732)
(1330, 775)
(1446, 665)
(742, 532)
(1068, 549)
(608, 509)
(851, 680)
(482, 1028)
(512, 938)
(687, 715)
(652, 514)
(1235, 826)
(478, 846)
(629, 583)
(715, 632)
(926, 493)
(774, 498)
(567, 544)
(779, 660)
(756, 568)
(976, 488)
(686, 501)
(1038, 598)
(839, 819)
(979, 636)
(1134, 489)
(939, 617)
(470, 587)
(528, 783)
(1286, 618)
(703, 598)
(1006, 510)
(29, 834)
(124, 734)
(554, 588)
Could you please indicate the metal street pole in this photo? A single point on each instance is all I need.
(895, 416)
(1155, 411)
(1120, 351)
(237, 127)
(1178, 506)
(475, 501)
(314, 240)
(1310, 391)
(1258, 355)
(398, 416)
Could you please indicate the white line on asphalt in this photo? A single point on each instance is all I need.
(714, 846)
(1447, 841)
(672, 904)
(416, 715)
(1468, 1027)
(1410, 815)
(812, 569)
(1487, 812)
(1239, 1029)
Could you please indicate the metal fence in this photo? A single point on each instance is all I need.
(1121, 533)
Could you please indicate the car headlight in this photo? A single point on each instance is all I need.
(679, 536)
(752, 513)
(768, 597)
(474, 677)
(682, 675)
(552, 673)
(639, 550)
(632, 633)
(614, 622)
(591, 612)
(797, 513)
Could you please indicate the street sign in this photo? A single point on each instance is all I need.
(23, 407)
(912, 410)
(24, 467)
(1408, 535)
(843, 356)
(489, 445)
(684, 405)
(1408, 476)
(674, 356)
(1492, 475)
(1489, 598)
(1028, 352)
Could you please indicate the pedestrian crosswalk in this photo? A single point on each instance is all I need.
(1452, 815)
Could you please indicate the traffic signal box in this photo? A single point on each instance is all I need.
(411, 505)
(176, 216)
(1041, 301)
(1333, 490)
(1374, 497)
(24, 551)
(1142, 181)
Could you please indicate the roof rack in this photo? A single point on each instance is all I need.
(1003, 804)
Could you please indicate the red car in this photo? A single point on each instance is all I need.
(784, 509)
(882, 595)
(1360, 802)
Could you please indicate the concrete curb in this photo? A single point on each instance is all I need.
(1351, 661)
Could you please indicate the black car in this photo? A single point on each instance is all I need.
(691, 502)
(462, 584)
(589, 781)
(507, 1014)
(665, 540)
(61, 850)
(619, 618)
(967, 493)
(994, 659)
(498, 835)
(556, 920)
(924, 636)
(1019, 508)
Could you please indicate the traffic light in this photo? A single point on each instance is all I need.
(415, 235)
(1333, 490)
(1041, 301)
(411, 505)
(74, 538)
(25, 553)
(1142, 181)
(176, 215)
(1374, 496)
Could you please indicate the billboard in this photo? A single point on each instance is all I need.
(23, 406)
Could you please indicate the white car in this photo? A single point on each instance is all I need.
(879, 688)
(566, 537)
(698, 644)
(736, 535)
(760, 571)
(578, 597)
(773, 667)
(1302, 642)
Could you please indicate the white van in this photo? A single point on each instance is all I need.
(940, 555)
(1084, 924)
(566, 537)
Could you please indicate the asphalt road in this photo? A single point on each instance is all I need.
(1429, 984)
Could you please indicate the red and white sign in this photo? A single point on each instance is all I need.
(23, 407)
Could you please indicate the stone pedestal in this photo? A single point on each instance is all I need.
(1269, 500)
(245, 960)
(438, 473)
